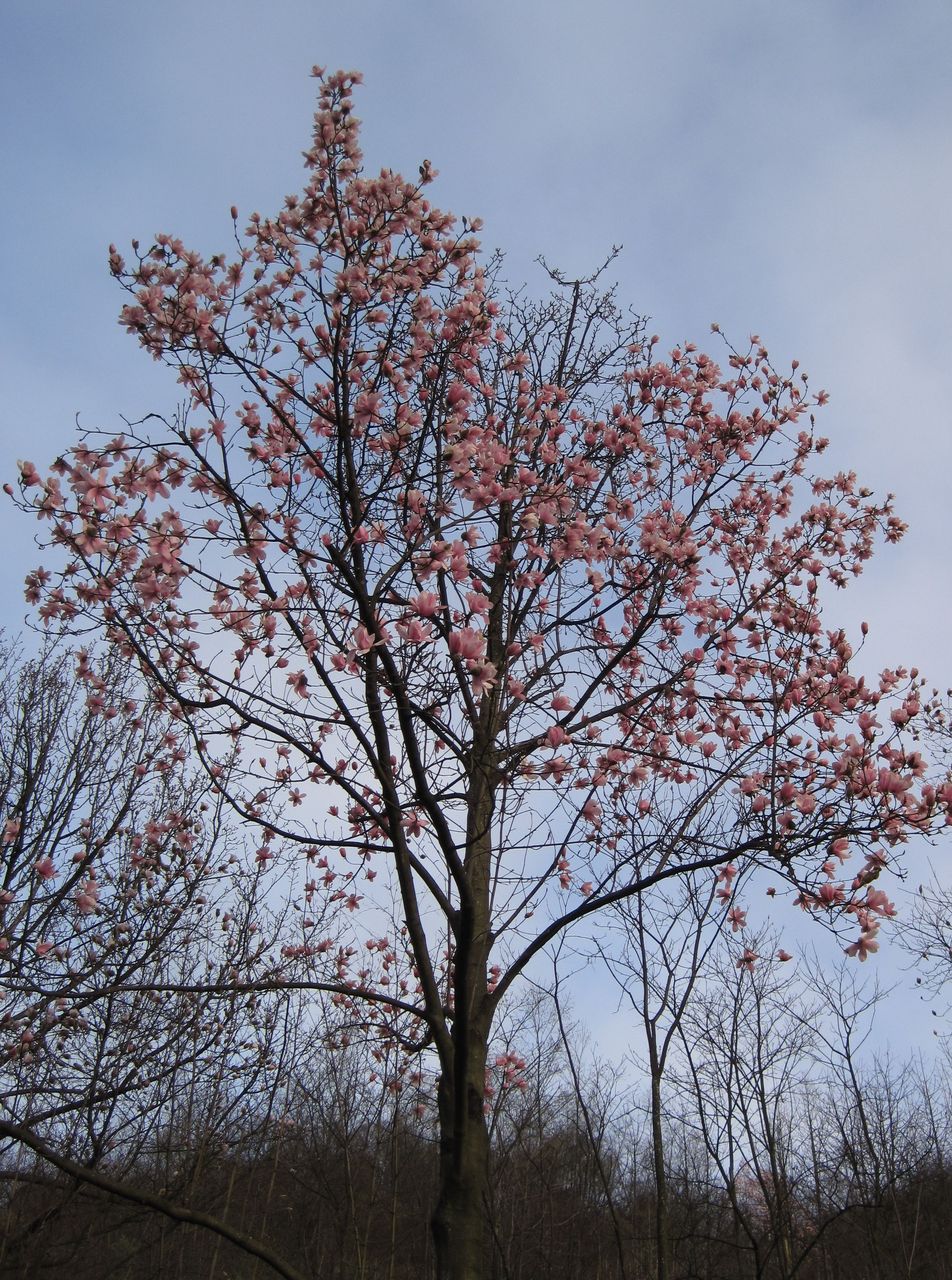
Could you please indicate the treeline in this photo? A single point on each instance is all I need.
(336, 1172)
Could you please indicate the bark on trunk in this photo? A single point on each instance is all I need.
(662, 1223)
(459, 1226)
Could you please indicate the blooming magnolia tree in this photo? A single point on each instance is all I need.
(500, 613)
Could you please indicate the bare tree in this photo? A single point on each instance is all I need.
(666, 943)
(135, 1001)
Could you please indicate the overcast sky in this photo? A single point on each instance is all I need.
(778, 169)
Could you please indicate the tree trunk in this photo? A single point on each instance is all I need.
(459, 1227)
(662, 1223)
(459, 1221)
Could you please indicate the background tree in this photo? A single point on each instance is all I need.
(135, 1011)
(667, 942)
(534, 608)
(802, 1128)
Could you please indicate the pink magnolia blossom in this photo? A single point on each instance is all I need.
(414, 631)
(86, 897)
(414, 823)
(483, 676)
(298, 682)
(864, 946)
(426, 604)
(737, 919)
(29, 476)
(362, 641)
(467, 643)
(45, 868)
(592, 810)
